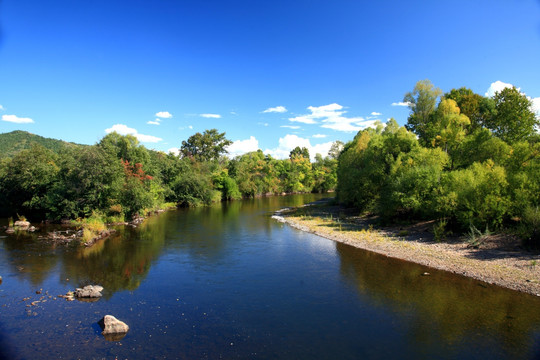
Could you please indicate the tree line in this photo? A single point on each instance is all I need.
(465, 160)
(118, 178)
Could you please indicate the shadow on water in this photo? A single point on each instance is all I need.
(444, 306)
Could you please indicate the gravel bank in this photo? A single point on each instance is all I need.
(498, 260)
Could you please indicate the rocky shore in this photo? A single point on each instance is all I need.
(498, 259)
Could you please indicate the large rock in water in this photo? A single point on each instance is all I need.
(89, 291)
(113, 329)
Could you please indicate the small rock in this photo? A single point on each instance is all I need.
(89, 291)
(21, 225)
(426, 274)
(1, 280)
(112, 325)
(39, 291)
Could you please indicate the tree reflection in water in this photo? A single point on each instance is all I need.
(442, 306)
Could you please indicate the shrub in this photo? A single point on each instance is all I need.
(476, 195)
(530, 227)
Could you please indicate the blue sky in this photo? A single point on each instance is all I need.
(321, 70)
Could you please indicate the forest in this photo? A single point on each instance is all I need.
(117, 178)
(470, 162)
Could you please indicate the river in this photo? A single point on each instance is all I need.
(229, 282)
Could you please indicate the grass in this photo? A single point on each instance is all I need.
(88, 235)
(475, 237)
(439, 230)
(91, 226)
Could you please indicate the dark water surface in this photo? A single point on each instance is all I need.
(230, 282)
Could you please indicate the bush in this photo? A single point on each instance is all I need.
(530, 227)
(477, 195)
(412, 185)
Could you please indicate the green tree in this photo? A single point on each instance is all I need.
(207, 146)
(89, 179)
(476, 107)
(125, 147)
(299, 151)
(514, 119)
(26, 180)
(422, 103)
(336, 149)
(450, 125)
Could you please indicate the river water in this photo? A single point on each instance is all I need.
(230, 282)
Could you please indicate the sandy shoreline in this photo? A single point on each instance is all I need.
(497, 261)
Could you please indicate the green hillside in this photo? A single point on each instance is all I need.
(15, 141)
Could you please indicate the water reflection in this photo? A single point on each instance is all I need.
(122, 261)
(201, 279)
(27, 257)
(457, 308)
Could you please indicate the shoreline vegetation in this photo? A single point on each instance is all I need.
(498, 260)
(117, 179)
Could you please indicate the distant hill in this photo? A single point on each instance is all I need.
(13, 142)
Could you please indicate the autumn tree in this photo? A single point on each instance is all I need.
(476, 107)
(450, 125)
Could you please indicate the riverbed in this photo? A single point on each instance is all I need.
(228, 281)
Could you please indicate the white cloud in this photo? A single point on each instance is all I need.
(2, 108)
(175, 151)
(497, 86)
(306, 119)
(401, 103)
(319, 136)
(277, 109)
(240, 147)
(536, 105)
(289, 142)
(16, 119)
(332, 117)
(322, 149)
(164, 114)
(156, 122)
(211, 116)
(374, 113)
(295, 127)
(348, 124)
(124, 130)
(319, 112)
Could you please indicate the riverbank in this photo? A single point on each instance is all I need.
(498, 260)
